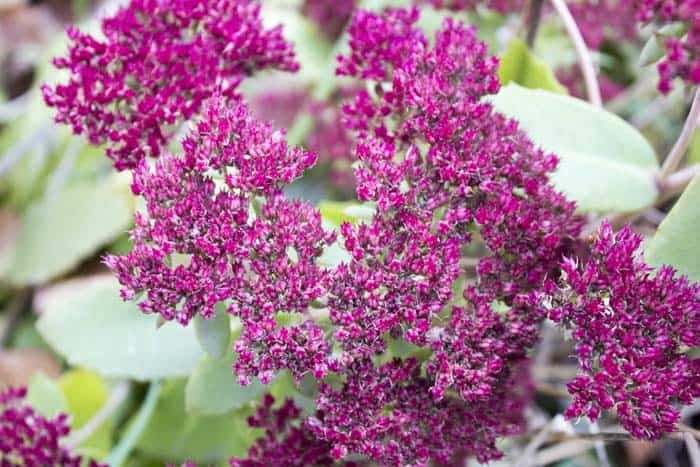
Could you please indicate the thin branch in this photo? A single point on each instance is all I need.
(689, 429)
(563, 450)
(693, 449)
(115, 400)
(533, 15)
(584, 55)
(527, 457)
(600, 447)
(675, 157)
(676, 182)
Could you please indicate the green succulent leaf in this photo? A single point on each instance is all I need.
(677, 242)
(519, 65)
(114, 338)
(62, 229)
(605, 163)
(173, 434)
(45, 395)
(214, 333)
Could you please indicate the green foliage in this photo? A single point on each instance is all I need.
(337, 212)
(213, 389)
(173, 434)
(46, 396)
(214, 333)
(87, 323)
(677, 241)
(519, 65)
(85, 394)
(64, 228)
(605, 163)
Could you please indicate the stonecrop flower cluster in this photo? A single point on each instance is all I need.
(630, 324)
(682, 59)
(133, 88)
(600, 20)
(28, 438)
(442, 169)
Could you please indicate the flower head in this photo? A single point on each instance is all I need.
(156, 65)
(28, 438)
(630, 324)
(683, 52)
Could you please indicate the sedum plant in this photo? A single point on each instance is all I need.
(413, 344)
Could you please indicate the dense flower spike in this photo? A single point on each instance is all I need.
(438, 161)
(387, 414)
(683, 57)
(630, 325)
(199, 243)
(158, 62)
(286, 442)
(28, 438)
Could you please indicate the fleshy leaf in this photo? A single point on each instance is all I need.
(173, 434)
(45, 395)
(677, 242)
(605, 163)
(113, 337)
(62, 229)
(214, 333)
(85, 394)
(519, 65)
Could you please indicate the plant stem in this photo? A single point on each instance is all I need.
(676, 182)
(675, 157)
(584, 55)
(532, 21)
(121, 451)
(693, 448)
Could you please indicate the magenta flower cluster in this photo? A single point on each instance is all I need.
(158, 62)
(630, 324)
(28, 438)
(286, 441)
(682, 59)
(441, 168)
(218, 229)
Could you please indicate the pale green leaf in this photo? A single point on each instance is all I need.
(85, 321)
(337, 212)
(519, 65)
(86, 393)
(45, 395)
(214, 333)
(605, 163)
(213, 388)
(652, 51)
(173, 434)
(677, 241)
(63, 229)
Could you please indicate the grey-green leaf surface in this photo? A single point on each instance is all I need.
(173, 434)
(86, 321)
(213, 389)
(62, 229)
(606, 165)
(677, 241)
(214, 333)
